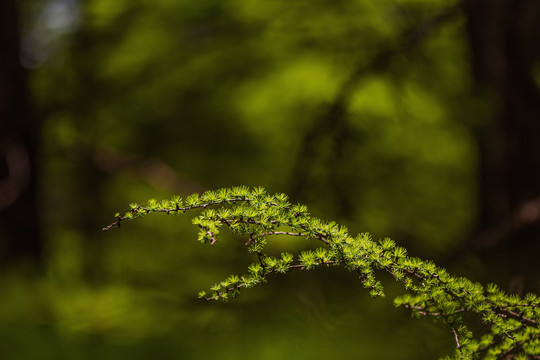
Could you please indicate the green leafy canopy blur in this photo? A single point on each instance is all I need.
(366, 111)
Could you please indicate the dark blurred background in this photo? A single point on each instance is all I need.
(414, 119)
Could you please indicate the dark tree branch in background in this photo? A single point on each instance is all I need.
(504, 39)
(332, 123)
(20, 235)
(526, 215)
(505, 45)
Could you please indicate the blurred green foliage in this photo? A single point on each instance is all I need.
(142, 99)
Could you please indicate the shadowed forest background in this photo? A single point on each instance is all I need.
(413, 119)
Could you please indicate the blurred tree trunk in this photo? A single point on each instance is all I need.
(504, 36)
(19, 220)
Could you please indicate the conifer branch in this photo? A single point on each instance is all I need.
(513, 322)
